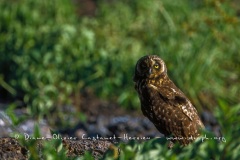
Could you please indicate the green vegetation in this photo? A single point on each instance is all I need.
(48, 53)
(226, 147)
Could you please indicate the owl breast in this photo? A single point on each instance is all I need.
(166, 115)
(154, 107)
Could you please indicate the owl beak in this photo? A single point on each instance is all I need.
(150, 71)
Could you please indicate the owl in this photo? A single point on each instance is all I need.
(163, 103)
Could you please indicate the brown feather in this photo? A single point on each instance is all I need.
(163, 103)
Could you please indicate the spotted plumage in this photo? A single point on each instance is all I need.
(163, 103)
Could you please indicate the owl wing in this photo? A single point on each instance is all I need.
(177, 98)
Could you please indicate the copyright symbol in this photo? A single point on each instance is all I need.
(16, 136)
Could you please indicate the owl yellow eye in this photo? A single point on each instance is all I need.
(156, 66)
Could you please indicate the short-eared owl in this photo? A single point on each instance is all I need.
(163, 103)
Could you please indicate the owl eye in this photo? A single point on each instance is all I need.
(156, 66)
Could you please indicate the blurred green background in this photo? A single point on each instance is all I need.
(50, 50)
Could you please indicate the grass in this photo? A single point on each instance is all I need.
(48, 56)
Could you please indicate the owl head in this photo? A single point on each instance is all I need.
(150, 67)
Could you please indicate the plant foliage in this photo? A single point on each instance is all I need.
(48, 52)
